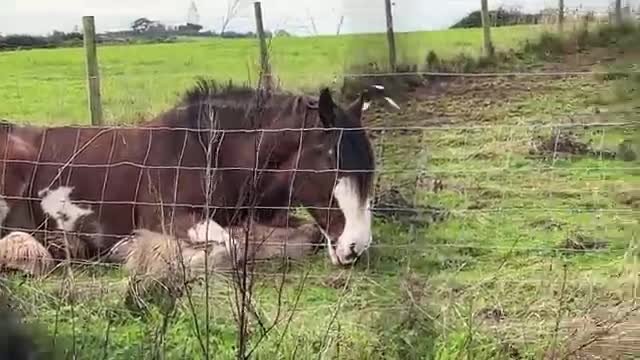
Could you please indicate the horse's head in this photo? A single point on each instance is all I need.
(322, 156)
(336, 163)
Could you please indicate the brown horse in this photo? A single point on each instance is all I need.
(223, 155)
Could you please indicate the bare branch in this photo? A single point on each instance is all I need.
(340, 23)
(233, 6)
(312, 21)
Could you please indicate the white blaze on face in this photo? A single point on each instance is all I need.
(210, 231)
(57, 204)
(356, 236)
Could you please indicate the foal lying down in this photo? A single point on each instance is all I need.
(156, 254)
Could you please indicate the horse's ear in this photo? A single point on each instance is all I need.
(372, 92)
(326, 108)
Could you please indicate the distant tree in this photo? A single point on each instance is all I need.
(499, 17)
(189, 28)
(141, 24)
(282, 33)
(156, 27)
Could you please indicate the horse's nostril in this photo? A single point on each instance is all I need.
(352, 256)
(352, 253)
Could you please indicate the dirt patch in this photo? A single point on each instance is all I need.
(450, 100)
(492, 314)
(629, 197)
(339, 281)
(391, 204)
(563, 145)
(578, 242)
(558, 143)
(603, 334)
(549, 224)
(627, 151)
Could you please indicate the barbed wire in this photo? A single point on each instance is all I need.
(382, 171)
(441, 127)
(325, 208)
(414, 247)
(494, 74)
(398, 74)
(366, 275)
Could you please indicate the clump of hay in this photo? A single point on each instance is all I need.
(162, 266)
(20, 251)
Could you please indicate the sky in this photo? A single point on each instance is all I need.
(302, 17)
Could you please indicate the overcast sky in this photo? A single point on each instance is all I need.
(43, 16)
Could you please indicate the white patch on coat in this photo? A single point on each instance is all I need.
(211, 231)
(58, 205)
(356, 236)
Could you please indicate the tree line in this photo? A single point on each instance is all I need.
(142, 30)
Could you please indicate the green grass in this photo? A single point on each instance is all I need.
(48, 86)
(492, 280)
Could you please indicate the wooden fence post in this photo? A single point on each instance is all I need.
(618, 12)
(265, 66)
(560, 15)
(486, 26)
(391, 39)
(93, 74)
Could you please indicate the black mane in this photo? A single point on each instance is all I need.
(208, 93)
(208, 89)
(355, 153)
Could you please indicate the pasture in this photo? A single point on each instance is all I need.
(522, 241)
(137, 81)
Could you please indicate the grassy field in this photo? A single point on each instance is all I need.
(528, 249)
(48, 86)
